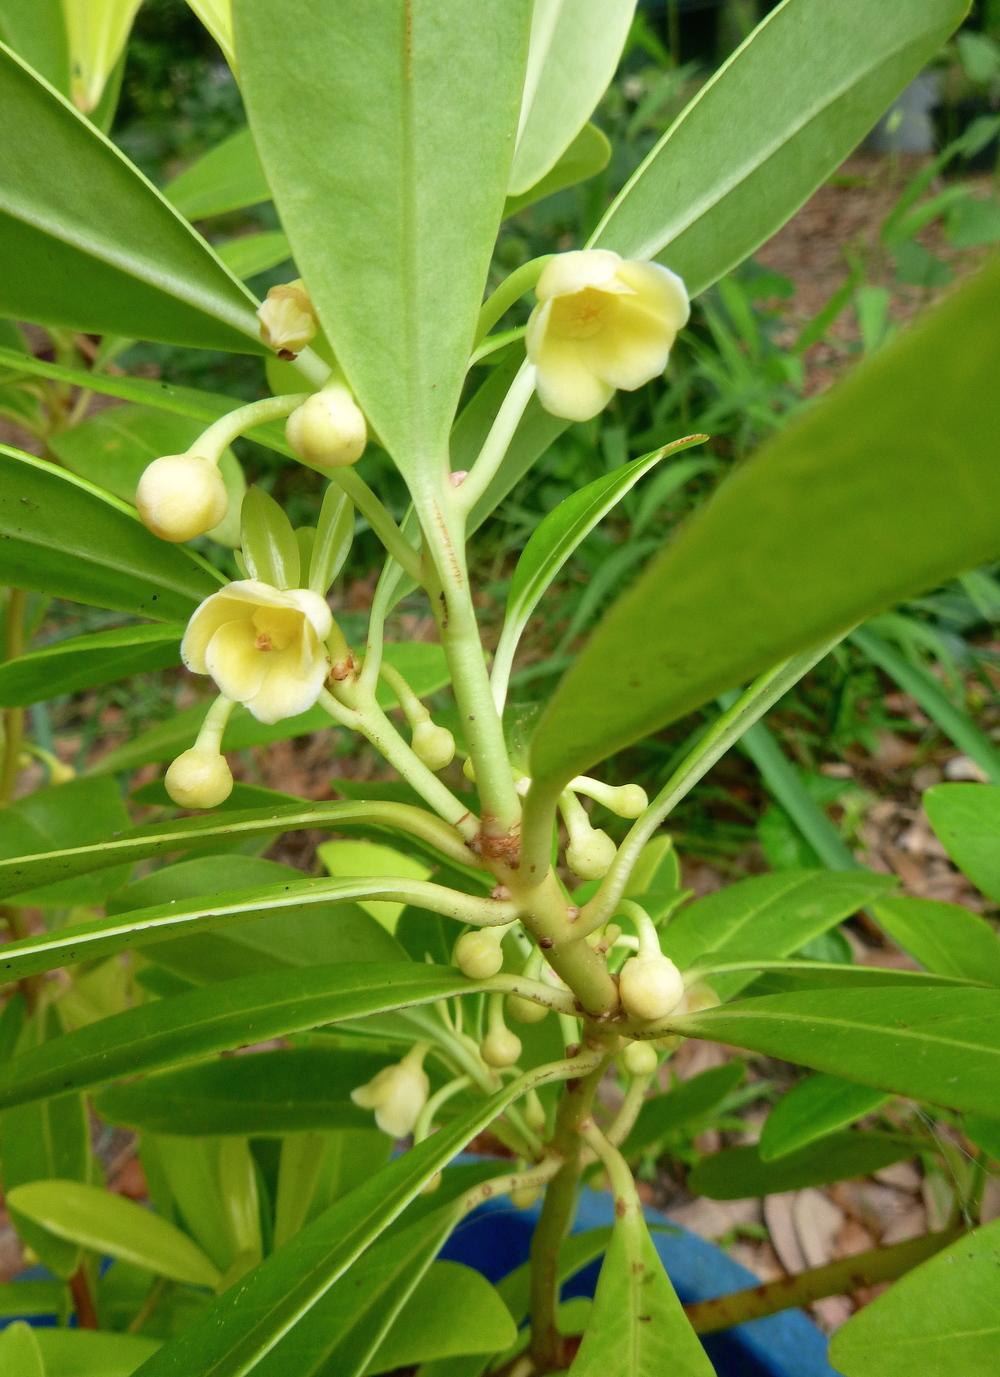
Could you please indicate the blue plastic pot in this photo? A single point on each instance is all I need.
(496, 1237)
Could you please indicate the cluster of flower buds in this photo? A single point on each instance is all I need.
(397, 1093)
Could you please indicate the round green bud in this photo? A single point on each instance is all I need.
(433, 745)
(525, 1010)
(630, 801)
(523, 1197)
(199, 779)
(589, 856)
(651, 987)
(640, 1059)
(328, 429)
(478, 954)
(500, 1047)
(181, 496)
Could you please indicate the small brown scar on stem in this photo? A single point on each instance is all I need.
(546, 942)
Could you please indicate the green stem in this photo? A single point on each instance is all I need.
(13, 718)
(727, 729)
(838, 1278)
(412, 708)
(624, 1121)
(211, 443)
(497, 442)
(557, 1215)
(379, 518)
(511, 289)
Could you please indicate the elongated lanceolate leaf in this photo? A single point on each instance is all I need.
(966, 817)
(932, 1044)
(82, 661)
(392, 208)
(738, 162)
(228, 177)
(885, 487)
(946, 938)
(229, 1014)
(90, 244)
(61, 535)
(740, 1172)
(817, 1106)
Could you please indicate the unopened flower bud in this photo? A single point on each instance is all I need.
(468, 769)
(287, 319)
(478, 954)
(500, 1047)
(525, 1010)
(523, 1197)
(629, 801)
(181, 496)
(397, 1094)
(640, 1059)
(699, 997)
(328, 429)
(534, 1112)
(589, 854)
(199, 779)
(651, 986)
(433, 745)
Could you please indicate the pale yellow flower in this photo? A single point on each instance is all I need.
(287, 319)
(602, 322)
(397, 1094)
(263, 647)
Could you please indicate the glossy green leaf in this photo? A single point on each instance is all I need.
(97, 31)
(334, 537)
(61, 535)
(80, 662)
(106, 1223)
(637, 1327)
(985, 1133)
(82, 811)
(251, 254)
(400, 306)
(766, 916)
(267, 1094)
(588, 154)
(941, 1317)
(35, 29)
(19, 1351)
(574, 50)
(217, 17)
(796, 545)
(453, 1311)
(92, 1353)
(686, 1102)
(737, 163)
(939, 1045)
(816, 1107)
(740, 1172)
(96, 247)
(229, 1014)
(228, 177)
(22, 1297)
(190, 1171)
(234, 1337)
(943, 937)
(267, 540)
(422, 664)
(112, 448)
(554, 539)
(966, 818)
(31, 869)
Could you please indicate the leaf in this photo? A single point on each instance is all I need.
(20, 873)
(939, 1045)
(19, 1351)
(228, 177)
(250, 254)
(801, 533)
(235, 1335)
(81, 811)
(22, 1297)
(637, 1327)
(766, 916)
(557, 535)
(572, 56)
(36, 30)
(229, 1014)
(588, 154)
(91, 1353)
(452, 1311)
(736, 164)
(686, 1102)
(80, 662)
(946, 938)
(941, 1317)
(190, 1170)
(966, 818)
(97, 31)
(355, 859)
(267, 1094)
(267, 541)
(61, 535)
(399, 307)
(217, 17)
(103, 1222)
(96, 247)
(815, 1107)
(740, 1172)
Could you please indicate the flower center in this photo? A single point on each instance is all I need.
(275, 627)
(583, 314)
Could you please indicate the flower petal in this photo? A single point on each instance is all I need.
(234, 662)
(633, 351)
(659, 291)
(566, 385)
(288, 687)
(572, 272)
(205, 621)
(314, 608)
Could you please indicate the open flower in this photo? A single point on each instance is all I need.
(262, 646)
(397, 1094)
(602, 322)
